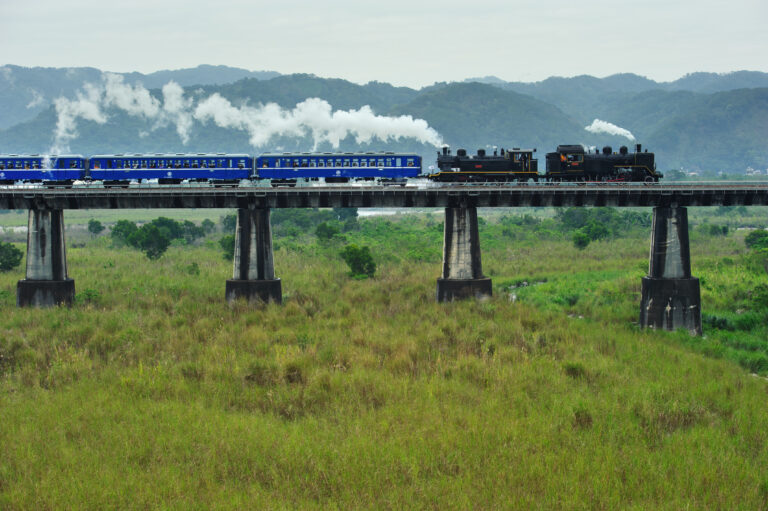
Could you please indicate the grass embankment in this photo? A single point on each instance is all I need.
(152, 392)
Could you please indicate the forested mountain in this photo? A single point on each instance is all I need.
(693, 128)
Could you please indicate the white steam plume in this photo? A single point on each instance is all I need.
(87, 106)
(599, 126)
(314, 117)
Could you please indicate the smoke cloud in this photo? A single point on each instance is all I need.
(599, 126)
(312, 117)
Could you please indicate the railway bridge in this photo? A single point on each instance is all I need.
(671, 296)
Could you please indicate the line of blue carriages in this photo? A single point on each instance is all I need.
(169, 168)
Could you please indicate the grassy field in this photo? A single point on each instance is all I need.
(152, 392)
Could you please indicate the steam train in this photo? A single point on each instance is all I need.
(568, 163)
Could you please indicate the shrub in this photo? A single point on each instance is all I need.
(227, 244)
(581, 239)
(326, 231)
(10, 256)
(123, 230)
(360, 260)
(151, 240)
(95, 227)
(757, 239)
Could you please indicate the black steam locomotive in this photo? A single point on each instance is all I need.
(568, 163)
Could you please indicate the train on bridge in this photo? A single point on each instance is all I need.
(567, 163)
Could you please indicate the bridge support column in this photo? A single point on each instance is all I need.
(254, 271)
(462, 269)
(671, 298)
(46, 283)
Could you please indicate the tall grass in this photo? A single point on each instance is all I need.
(153, 392)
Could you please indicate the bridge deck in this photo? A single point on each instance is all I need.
(423, 196)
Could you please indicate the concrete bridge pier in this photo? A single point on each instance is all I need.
(671, 298)
(254, 271)
(462, 269)
(46, 283)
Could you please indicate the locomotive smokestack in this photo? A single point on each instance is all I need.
(639, 148)
(445, 150)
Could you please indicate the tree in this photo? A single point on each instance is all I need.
(229, 223)
(192, 231)
(122, 231)
(581, 239)
(343, 214)
(170, 227)
(757, 239)
(359, 260)
(326, 231)
(95, 227)
(208, 225)
(151, 240)
(10, 256)
(227, 243)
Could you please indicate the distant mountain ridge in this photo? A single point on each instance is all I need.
(724, 130)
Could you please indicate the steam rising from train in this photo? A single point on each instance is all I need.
(599, 126)
(312, 117)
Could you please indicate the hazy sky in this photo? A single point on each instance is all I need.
(412, 43)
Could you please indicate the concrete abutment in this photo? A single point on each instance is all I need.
(462, 275)
(46, 283)
(671, 297)
(253, 276)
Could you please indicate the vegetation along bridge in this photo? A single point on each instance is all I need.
(670, 295)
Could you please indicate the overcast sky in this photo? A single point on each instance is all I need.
(413, 43)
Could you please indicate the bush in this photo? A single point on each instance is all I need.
(757, 239)
(123, 230)
(326, 231)
(10, 256)
(359, 260)
(581, 239)
(95, 227)
(227, 244)
(151, 240)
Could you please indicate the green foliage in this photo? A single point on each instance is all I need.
(757, 239)
(713, 230)
(10, 256)
(227, 244)
(344, 214)
(355, 384)
(150, 239)
(359, 260)
(580, 239)
(122, 231)
(325, 231)
(208, 226)
(95, 227)
(87, 296)
(229, 223)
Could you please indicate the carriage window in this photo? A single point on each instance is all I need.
(410, 162)
(381, 163)
(346, 163)
(399, 162)
(320, 163)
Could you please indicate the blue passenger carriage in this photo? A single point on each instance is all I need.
(61, 169)
(286, 168)
(171, 168)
